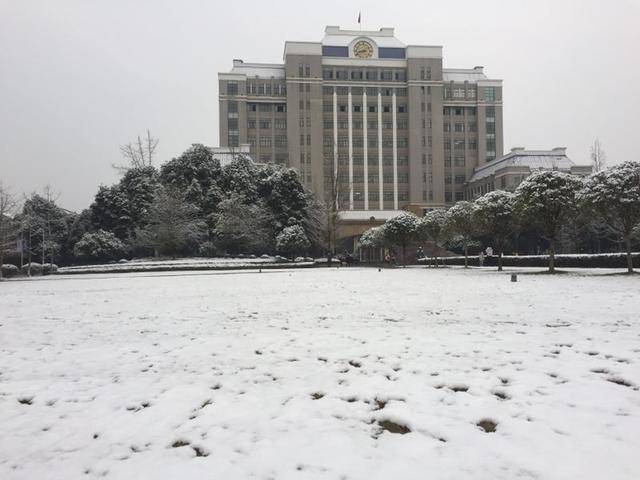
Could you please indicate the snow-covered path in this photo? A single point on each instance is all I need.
(337, 374)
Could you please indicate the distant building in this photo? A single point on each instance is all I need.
(226, 155)
(506, 173)
(383, 120)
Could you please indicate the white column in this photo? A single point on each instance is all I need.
(335, 142)
(365, 165)
(395, 151)
(380, 175)
(350, 117)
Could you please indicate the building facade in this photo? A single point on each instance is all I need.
(507, 172)
(379, 125)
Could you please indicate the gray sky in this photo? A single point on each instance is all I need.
(79, 78)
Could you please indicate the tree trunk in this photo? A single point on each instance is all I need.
(500, 261)
(629, 257)
(552, 256)
(466, 256)
(404, 256)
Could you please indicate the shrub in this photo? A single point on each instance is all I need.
(9, 270)
(99, 246)
(36, 268)
(292, 240)
(602, 260)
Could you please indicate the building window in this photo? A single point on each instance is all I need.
(459, 161)
(232, 107)
(265, 141)
(402, 108)
(460, 179)
(342, 108)
(373, 108)
(489, 94)
(251, 124)
(233, 140)
(473, 144)
(281, 140)
(281, 107)
(371, 74)
(446, 127)
(232, 88)
(458, 93)
(265, 124)
(459, 196)
(459, 127)
(280, 123)
(265, 107)
(233, 124)
(357, 108)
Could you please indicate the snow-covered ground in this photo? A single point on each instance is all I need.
(323, 373)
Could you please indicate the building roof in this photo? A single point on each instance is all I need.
(555, 159)
(471, 75)
(334, 36)
(262, 70)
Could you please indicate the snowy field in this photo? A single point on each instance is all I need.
(323, 373)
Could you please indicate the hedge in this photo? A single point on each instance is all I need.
(600, 260)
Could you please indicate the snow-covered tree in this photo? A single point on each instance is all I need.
(546, 200)
(173, 224)
(292, 241)
(495, 219)
(401, 231)
(7, 223)
(100, 246)
(243, 226)
(459, 223)
(430, 229)
(614, 196)
(372, 239)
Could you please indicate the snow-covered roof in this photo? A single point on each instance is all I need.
(262, 70)
(336, 37)
(368, 214)
(471, 75)
(555, 159)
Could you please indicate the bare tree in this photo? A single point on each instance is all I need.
(7, 210)
(138, 154)
(598, 156)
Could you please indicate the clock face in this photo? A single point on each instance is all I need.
(363, 49)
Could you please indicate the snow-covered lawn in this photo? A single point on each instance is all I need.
(322, 373)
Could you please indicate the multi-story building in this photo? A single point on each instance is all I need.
(507, 172)
(365, 118)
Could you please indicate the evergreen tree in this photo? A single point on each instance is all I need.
(547, 201)
(459, 223)
(173, 224)
(430, 228)
(401, 230)
(99, 246)
(292, 241)
(613, 195)
(494, 217)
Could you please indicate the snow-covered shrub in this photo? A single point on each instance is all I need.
(9, 270)
(36, 268)
(292, 240)
(49, 268)
(401, 231)
(99, 246)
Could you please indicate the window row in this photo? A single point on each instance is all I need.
(371, 74)
(266, 107)
(359, 91)
(460, 127)
(278, 124)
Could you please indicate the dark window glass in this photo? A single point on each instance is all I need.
(388, 52)
(330, 51)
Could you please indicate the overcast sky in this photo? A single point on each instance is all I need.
(79, 78)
